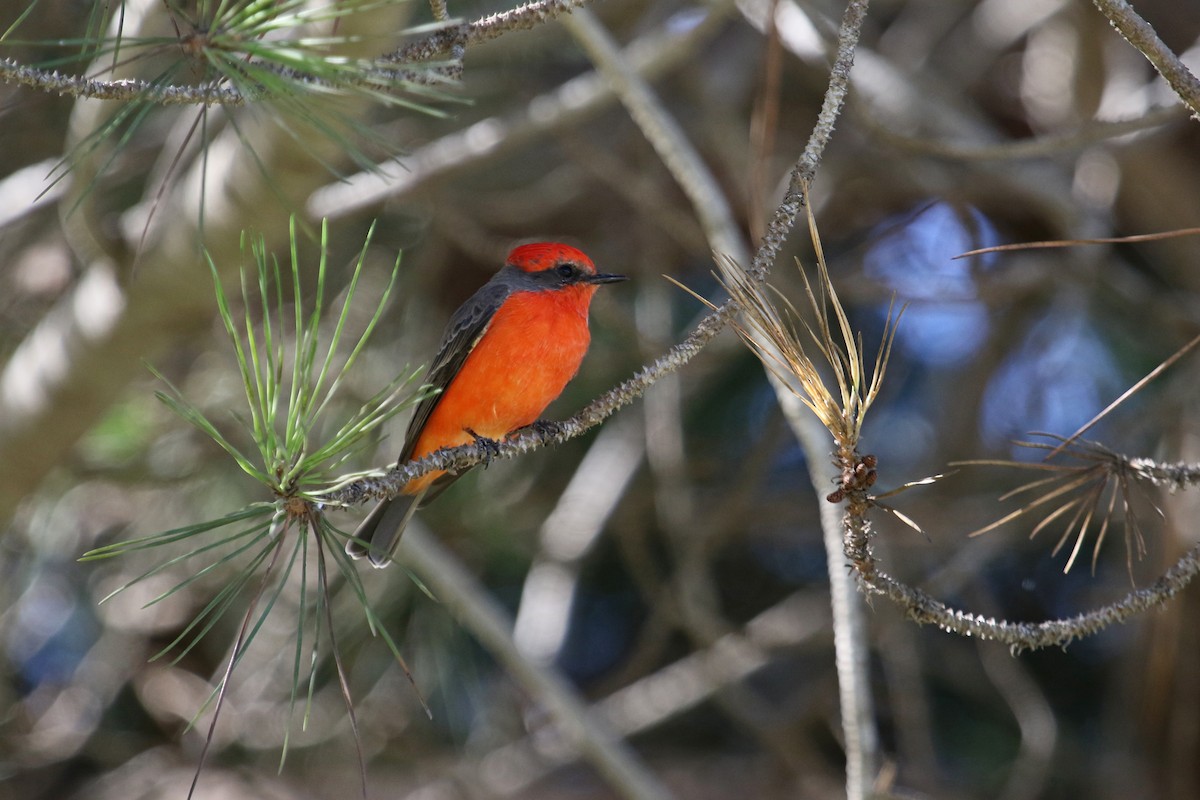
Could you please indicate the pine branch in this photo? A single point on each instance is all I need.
(385, 72)
(924, 609)
(126, 89)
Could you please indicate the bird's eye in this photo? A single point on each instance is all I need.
(566, 270)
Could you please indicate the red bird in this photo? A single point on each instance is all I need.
(507, 353)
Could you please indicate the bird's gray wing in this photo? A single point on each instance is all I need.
(466, 327)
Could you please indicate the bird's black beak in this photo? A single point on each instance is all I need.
(604, 277)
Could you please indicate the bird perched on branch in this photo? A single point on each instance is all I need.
(507, 353)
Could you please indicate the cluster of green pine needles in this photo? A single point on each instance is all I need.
(297, 63)
(291, 380)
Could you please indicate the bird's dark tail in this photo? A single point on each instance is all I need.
(378, 535)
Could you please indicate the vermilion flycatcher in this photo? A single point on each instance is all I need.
(506, 354)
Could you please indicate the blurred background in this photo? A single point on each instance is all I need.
(669, 565)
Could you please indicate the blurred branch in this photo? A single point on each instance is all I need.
(1142, 35)
(716, 217)
(684, 163)
(860, 737)
(568, 535)
(667, 693)
(1035, 147)
(664, 134)
(642, 191)
(570, 104)
(693, 586)
(1035, 717)
(475, 609)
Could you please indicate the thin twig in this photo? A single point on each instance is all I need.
(1052, 244)
(1154, 373)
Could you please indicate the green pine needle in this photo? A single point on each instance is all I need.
(294, 364)
(314, 86)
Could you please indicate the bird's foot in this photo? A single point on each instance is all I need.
(487, 448)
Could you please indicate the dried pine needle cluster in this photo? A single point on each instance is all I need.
(773, 335)
(1076, 493)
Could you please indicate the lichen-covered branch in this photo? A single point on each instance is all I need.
(806, 168)
(923, 609)
(126, 89)
(1141, 34)
(444, 40)
(521, 18)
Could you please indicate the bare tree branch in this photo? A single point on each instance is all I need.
(1020, 636)
(1142, 35)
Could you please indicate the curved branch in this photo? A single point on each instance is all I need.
(925, 610)
(1036, 147)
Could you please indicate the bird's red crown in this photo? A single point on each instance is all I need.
(545, 255)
